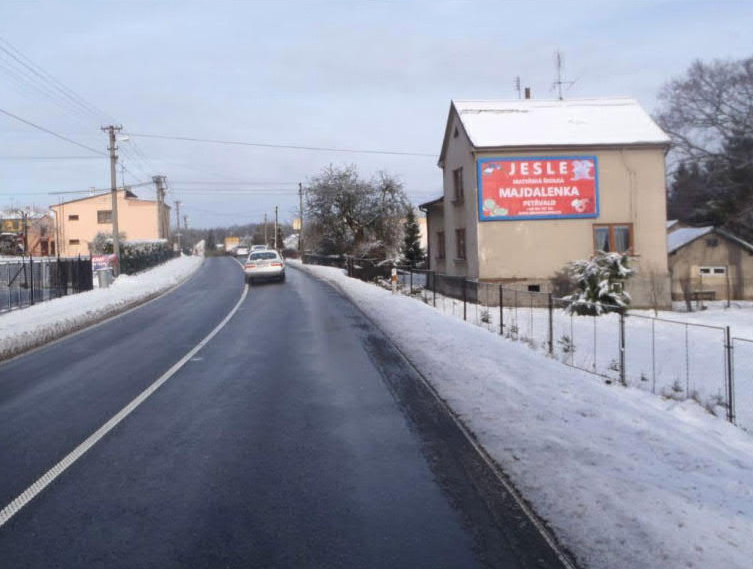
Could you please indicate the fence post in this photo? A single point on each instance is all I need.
(31, 276)
(465, 298)
(434, 286)
(551, 324)
(730, 377)
(622, 348)
(411, 280)
(501, 311)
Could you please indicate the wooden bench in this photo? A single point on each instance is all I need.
(703, 295)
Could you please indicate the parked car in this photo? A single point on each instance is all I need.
(264, 265)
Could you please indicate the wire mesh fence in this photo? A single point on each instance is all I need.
(28, 281)
(742, 395)
(678, 360)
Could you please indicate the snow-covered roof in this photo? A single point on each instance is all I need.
(671, 223)
(531, 122)
(684, 235)
(681, 237)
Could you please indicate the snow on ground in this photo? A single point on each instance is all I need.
(626, 479)
(27, 328)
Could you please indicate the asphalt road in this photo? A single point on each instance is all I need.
(295, 438)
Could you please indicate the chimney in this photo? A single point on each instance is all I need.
(528, 93)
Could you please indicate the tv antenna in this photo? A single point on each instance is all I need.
(560, 71)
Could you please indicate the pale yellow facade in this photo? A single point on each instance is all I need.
(526, 254)
(712, 267)
(79, 221)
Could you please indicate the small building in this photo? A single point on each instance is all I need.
(79, 221)
(708, 263)
(530, 186)
(27, 232)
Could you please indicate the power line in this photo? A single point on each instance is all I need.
(282, 146)
(67, 93)
(60, 136)
(50, 158)
(238, 183)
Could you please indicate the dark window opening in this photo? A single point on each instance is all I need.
(614, 238)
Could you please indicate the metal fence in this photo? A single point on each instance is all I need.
(742, 370)
(27, 281)
(135, 263)
(678, 360)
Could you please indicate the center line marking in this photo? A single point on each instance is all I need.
(41, 483)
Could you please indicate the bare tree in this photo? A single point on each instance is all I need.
(708, 113)
(707, 108)
(349, 215)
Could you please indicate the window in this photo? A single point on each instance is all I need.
(73, 242)
(534, 288)
(614, 238)
(104, 216)
(460, 244)
(457, 183)
(73, 218)
(712, 271)
(440, 245)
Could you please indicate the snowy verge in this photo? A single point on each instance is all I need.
(626, 479)
(28, 328)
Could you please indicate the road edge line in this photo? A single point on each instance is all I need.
(85, 325)
(48, 477)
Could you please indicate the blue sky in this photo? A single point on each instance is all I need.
(369, 75)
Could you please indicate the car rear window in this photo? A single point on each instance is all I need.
(262, 255)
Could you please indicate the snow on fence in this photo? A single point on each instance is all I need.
(674, 359)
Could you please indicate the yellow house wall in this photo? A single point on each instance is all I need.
(631, 190)
(685, 265)
(137, 219)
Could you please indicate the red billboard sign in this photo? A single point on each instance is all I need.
(538, 187)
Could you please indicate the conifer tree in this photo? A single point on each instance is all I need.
(412, 252)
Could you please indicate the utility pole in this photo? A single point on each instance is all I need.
(266, 241)
(111, 130)
(159, 181)
(300, 228)
(276, 228)
(185, 222)
(177, 222)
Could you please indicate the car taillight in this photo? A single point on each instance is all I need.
(277, 264)
(250, 265)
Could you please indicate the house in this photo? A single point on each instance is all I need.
(28, 232)
(79, 221)
(708, 263)
(530, 186)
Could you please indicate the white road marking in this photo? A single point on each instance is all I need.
(27, 495)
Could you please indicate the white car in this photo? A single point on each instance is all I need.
(241, 251)
(264, 265)
(258, 247)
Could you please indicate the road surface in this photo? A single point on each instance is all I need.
(295, 437)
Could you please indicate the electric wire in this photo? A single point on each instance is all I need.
(282, 146)
(60, 136)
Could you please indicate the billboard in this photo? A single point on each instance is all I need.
(538, 187)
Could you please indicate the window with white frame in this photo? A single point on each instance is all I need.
(718, 271)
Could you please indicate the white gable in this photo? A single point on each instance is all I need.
(530, 122)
